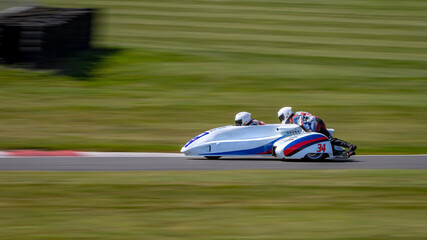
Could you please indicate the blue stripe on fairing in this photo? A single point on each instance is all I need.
(253, 151)
(195, 138)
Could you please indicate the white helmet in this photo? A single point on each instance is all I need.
(242, 118)
(284, 114)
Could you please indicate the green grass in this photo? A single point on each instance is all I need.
(336, 204)
(164, 71)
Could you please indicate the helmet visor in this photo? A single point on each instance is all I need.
(238, 122)
(282, 117)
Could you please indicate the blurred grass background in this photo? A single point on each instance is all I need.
(163, 71)
(335, 204)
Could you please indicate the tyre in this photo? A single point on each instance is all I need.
(212, 157)
(315, 156)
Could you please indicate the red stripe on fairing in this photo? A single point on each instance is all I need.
(301, 144)
(267, 152)
(35, 153)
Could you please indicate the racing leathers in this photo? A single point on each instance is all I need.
(311, 123)
(255, 122)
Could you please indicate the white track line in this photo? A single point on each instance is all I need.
(130, 154)
(4, 154)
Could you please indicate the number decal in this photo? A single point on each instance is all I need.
(321, 147)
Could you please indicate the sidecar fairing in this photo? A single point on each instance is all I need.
(284, 141)
(238, 140)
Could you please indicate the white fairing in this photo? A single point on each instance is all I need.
(238, 140)
(286, 140)
(298, 146)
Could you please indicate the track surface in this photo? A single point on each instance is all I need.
(183, 163)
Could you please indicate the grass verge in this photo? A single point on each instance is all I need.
(334, 204)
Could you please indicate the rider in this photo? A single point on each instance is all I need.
(311, 123)
(244, 119)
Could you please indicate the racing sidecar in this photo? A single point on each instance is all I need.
(284, 141)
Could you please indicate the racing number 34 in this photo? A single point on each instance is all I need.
(321, 147)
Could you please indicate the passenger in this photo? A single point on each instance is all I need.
(311, 123)
(244, 119)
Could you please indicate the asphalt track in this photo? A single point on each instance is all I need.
(178, 162)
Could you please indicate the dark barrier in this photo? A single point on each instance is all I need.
(40, 35)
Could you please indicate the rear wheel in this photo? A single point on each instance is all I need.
(212, 157)
(315, 156)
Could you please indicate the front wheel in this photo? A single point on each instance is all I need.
(315, 156)
(212, 157)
